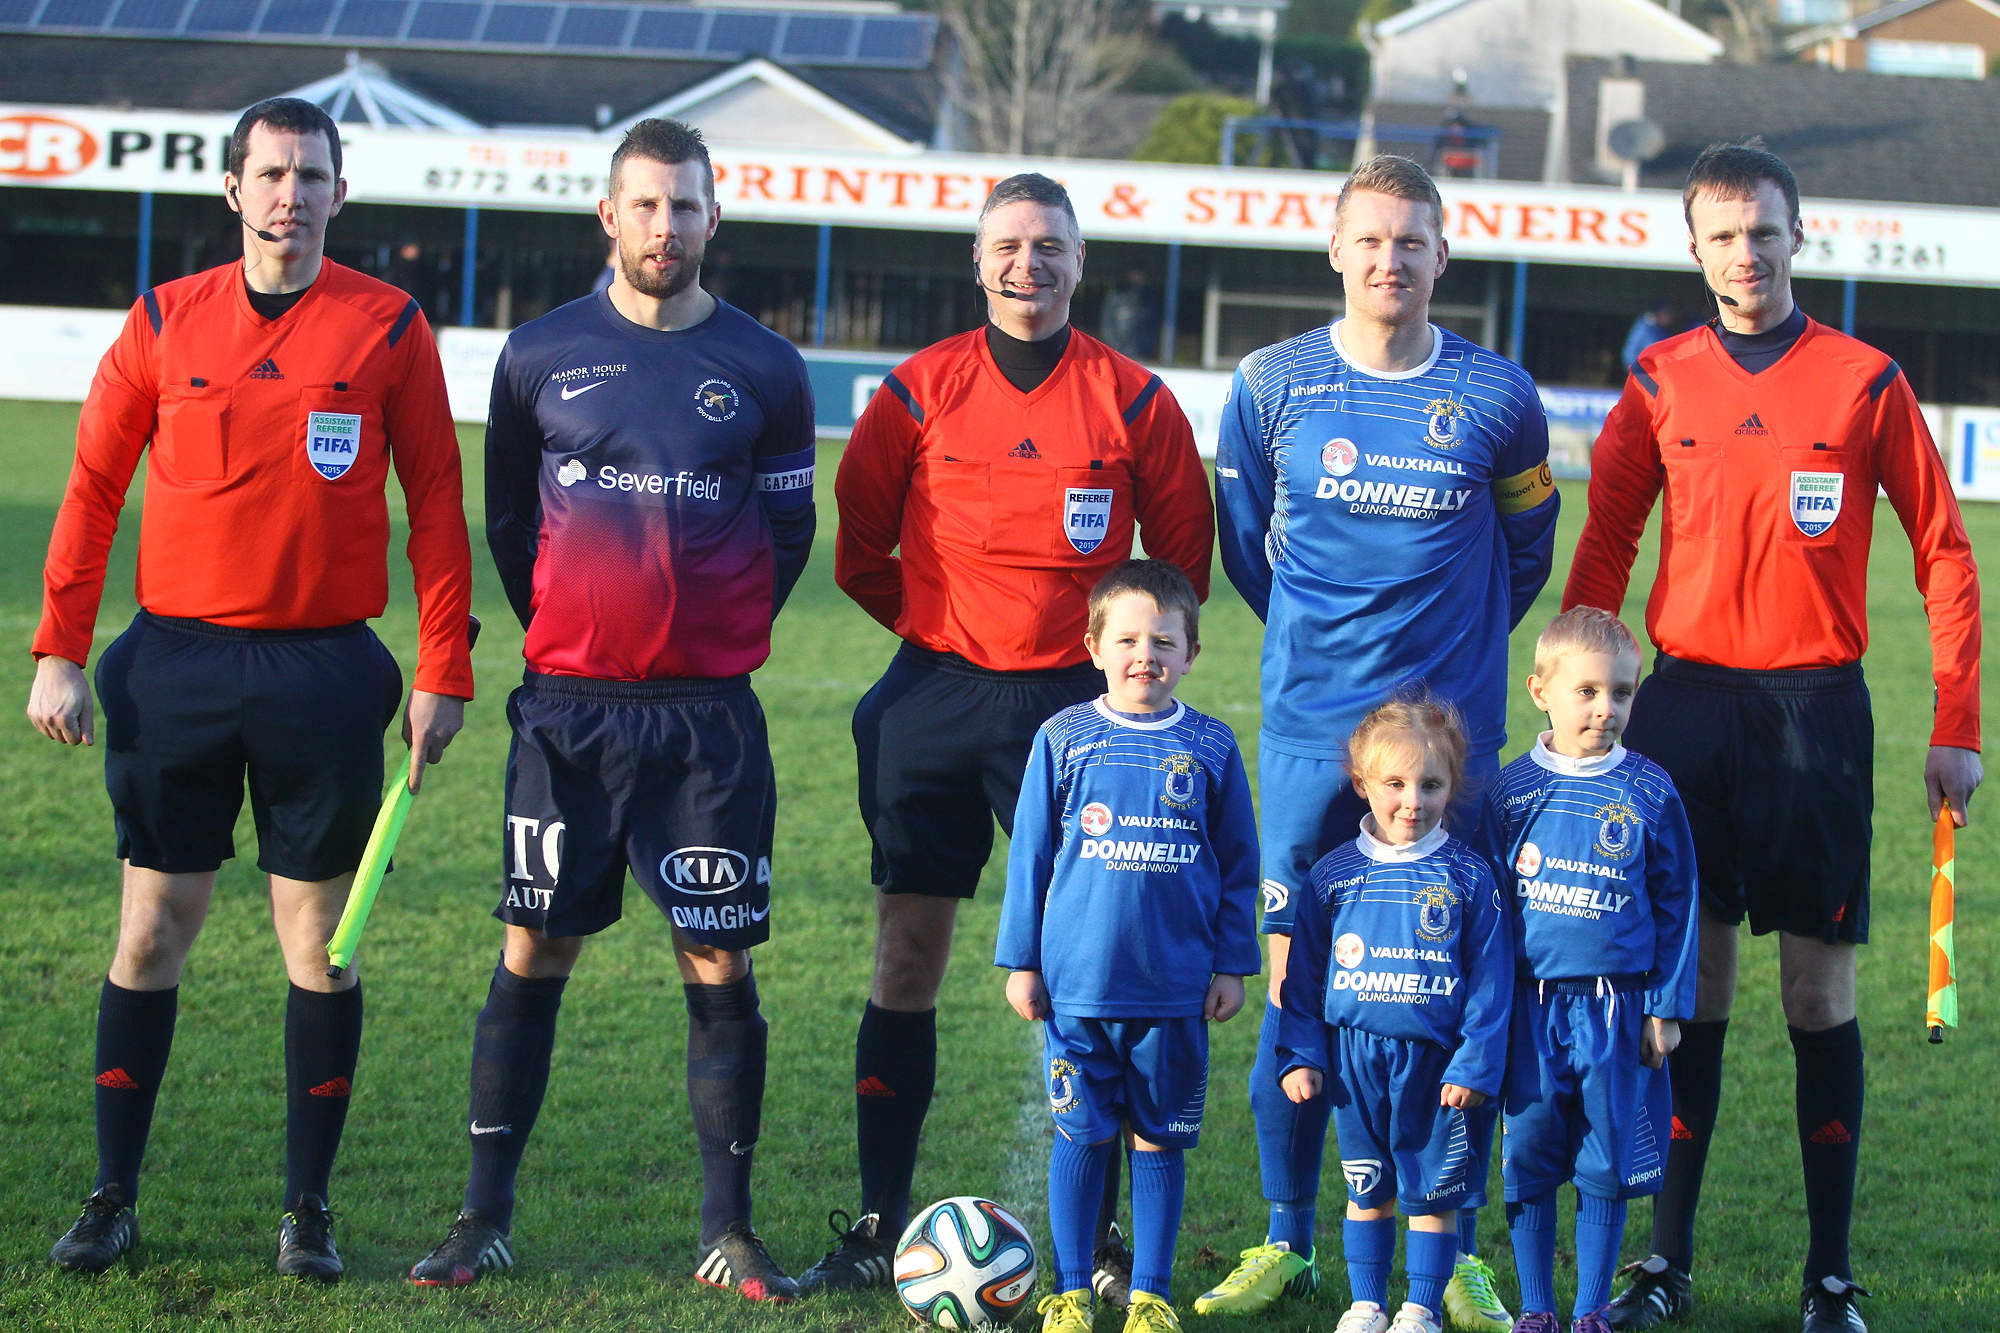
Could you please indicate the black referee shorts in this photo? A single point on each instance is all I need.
(190, 708)
(1777, 771)
(942, 745)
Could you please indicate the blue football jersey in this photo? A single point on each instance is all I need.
(1600, 870)
(1401, 941)
(1388, 528)
(1132, 880)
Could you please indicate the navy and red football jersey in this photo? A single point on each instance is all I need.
(648, 492)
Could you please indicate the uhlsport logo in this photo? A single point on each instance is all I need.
(333, 442)
(1339, 457)
(716, 400)
(570, 473)
(42, 147)
(1349, 950)
(1618, 830)
(1095, 819)
(1815, 501)
(1182, 771)
(1062, 1095)
(704, 870)
(1086, 517)
(1528, 861)
(1276, 896)
(1442, 427)
(1434, 914)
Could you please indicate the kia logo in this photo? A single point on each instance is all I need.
(37, 147)
(705, 870)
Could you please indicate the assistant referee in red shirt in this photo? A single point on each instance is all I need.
(1770, 435)
(271, 398)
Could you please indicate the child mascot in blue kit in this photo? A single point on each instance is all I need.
(1129, 923)
(1396, 999)
(1600, 871)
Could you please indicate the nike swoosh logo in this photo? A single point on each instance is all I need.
(756, 915)
(478, 1128)
(742, 1149)
(569, 393)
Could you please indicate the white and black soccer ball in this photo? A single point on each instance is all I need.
(965, 1263)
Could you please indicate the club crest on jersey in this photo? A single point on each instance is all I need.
(1339, 456)
(333, 442)
(1618, 830)
(1529, 860)
(1086, 517)
(1442, 427)
(1434, 914)
(716, 400)
(1349, 950)
(1062, 1095)
(1815, 501)
(1182, 770)
(1095, 819)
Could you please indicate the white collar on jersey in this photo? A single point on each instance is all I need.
(1377, 850)
(1430, 362)
(1166, 719)
(1581, 768)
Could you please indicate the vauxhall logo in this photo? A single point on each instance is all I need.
(704, 870)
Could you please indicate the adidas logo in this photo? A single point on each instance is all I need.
(117, 1078)
(333, 1087)
(1025, 449)
(873, 1087)
(1831, 1132)
(1752, 426)
(1681, 1131)
(267, 369)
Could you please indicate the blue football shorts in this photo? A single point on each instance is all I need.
(1396, 1140)
(1104, 1073)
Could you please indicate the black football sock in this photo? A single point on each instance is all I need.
(1829, 1111)
(1695, 1071)
(322, 1044)
(510, 1074)
(895, 1072)
(135, 1032)
(1107, 1209)
(725, 1079)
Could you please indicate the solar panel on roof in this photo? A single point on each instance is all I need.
(445, 21)
(75, 13)
(894, 39)
(523, 25)
(818, 35)
(667, 30)
(149, 15)
(739, 34)
(370, 18)
(593, 26)
(221, 16)
(297, 17)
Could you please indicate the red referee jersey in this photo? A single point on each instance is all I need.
(271, 442)
(1770, 482)
(1008, 507)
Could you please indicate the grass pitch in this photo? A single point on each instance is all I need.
(610, 1187)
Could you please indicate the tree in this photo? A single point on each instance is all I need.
(1027, 73)
(1190, 129)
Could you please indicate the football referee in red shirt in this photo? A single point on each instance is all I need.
(1770, 433)
(271, 398)
(1010, 465)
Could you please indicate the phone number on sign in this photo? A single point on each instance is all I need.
(479, 181)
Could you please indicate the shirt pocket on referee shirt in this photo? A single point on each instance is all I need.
(192, 438)
(1817, 490)
(1694, 486)
(962, 494)
(340, 438)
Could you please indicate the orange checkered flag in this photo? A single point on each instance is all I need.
(1941, 1011)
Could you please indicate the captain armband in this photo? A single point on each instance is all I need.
(786, 481)
(1524, 490)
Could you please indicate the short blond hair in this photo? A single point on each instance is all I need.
(1582, 629)
(1420, 719)
(1398, 177)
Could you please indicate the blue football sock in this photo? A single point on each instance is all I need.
(1428, 1255)
(1369, 1246)
(1533, 1224)
(511, 1045)
(1468, 1231)
(727, 1040)
(1291, 1139)
(1076, 1188)
(1600, 1227)
(1159, 1184)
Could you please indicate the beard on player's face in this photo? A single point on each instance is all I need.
(660, 284)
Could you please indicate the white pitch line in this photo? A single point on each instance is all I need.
(1024, 1177)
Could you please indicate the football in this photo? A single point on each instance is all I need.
(965, 1263)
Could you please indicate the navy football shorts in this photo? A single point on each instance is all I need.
(942, 745)
(1149, 1072)
(1580, 1103)
(671, 778)
(1777, 771)
(1396, 1142)
(1310, 807)
(191, 709)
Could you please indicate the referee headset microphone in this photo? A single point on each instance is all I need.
(236, 198)
(980, 283)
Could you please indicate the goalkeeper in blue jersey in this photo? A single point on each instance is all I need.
(1384, 503)
(1396, 1011)
(1130, 921)
(1600, 870)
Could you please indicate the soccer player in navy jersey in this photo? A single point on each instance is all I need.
(649, 465)
(1384, 503)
